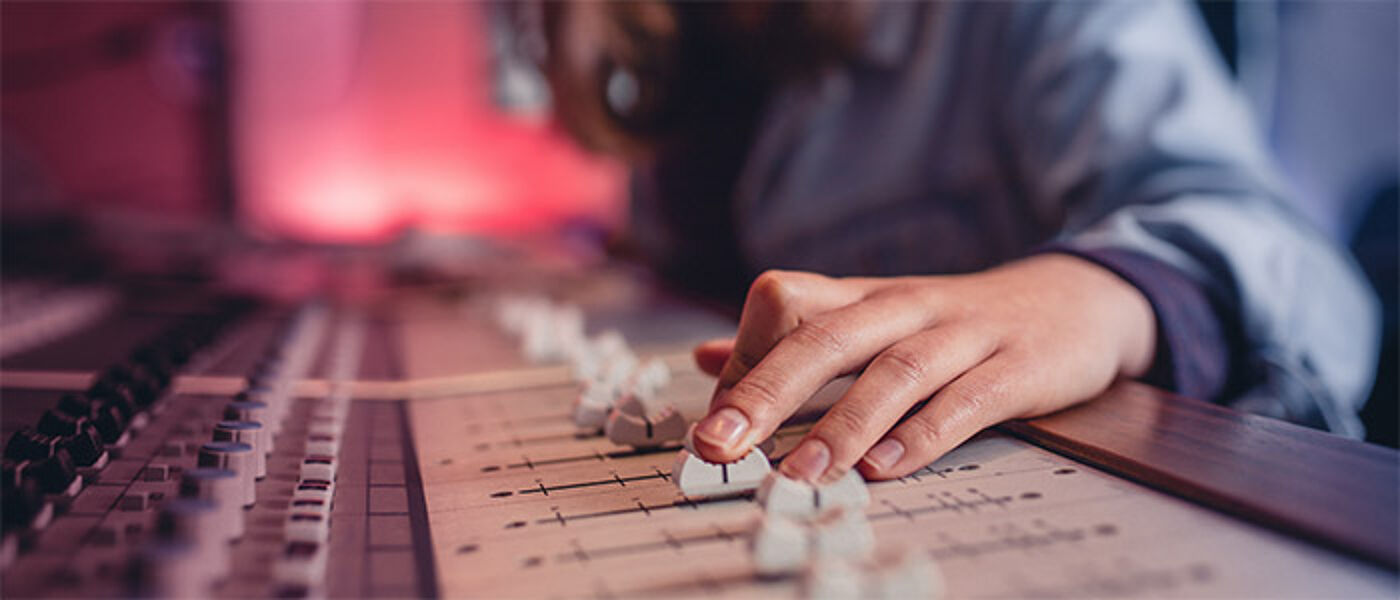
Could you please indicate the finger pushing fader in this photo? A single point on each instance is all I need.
(696, 477)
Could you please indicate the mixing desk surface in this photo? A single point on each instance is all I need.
(528, 440)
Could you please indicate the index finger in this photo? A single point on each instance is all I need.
(821, 348)
(776, 304)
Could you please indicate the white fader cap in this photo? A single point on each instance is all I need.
(695, 477)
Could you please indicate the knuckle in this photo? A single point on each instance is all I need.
(756, 393)
(841, 425)
(975, 395)
(904, 363)
(821, 336)
(919, 434)
(976, 402)
(772, 287)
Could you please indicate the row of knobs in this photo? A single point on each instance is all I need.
(191, 551)
(623, 395)
(619, 393)
(819, 533)
(74, 440)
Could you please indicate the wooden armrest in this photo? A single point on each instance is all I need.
(1330, 490)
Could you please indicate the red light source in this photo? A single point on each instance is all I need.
(354, 120)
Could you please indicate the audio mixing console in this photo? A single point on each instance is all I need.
(438, 441)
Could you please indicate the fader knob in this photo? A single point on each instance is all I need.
(779, 494)
(593, 405)
(644, 431)
(27, 444)
(199, 522)
(842, 532)
(157, 373)
(56, 474)
(236, 457)
(114, 394)
(60, 424)
(696, 477)
(220, 486)
(250, 410)
(171, 569)
(21, 501)
(156, 362)
(779, 545)
(77, 405)
(86, 447)
(142, 388)
(248, 432)
(110, 423)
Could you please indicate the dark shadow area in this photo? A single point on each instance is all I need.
(1377, 247)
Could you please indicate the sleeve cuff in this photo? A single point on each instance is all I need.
(1192, 355)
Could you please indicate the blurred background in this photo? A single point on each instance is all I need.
(342, 122)
(152, 132)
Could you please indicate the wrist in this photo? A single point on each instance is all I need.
(1120, 310)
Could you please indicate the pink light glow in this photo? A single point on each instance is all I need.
(355, 120)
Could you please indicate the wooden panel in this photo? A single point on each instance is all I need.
(1334, 491)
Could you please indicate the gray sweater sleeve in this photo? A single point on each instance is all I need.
(1120, 114)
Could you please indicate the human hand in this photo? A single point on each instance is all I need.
(1021, 340)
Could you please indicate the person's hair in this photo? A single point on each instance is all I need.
(627, 77)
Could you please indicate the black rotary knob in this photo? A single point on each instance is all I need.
(55, 473)
(77, 405)
(21, 499)
(140, 387)
(110, 423)
(141, 376)
(155, 362)
(27, 444)
(59, 424)
(115, 393)
(85, 446)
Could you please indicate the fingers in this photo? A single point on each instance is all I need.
(777, 302)
(900, 376)
(819, 349)
(984, 396)
(711, 355)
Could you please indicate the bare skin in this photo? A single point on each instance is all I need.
(1021, 340)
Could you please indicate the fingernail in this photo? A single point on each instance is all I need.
(885, 454)
(724, 428)
(808, 461)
